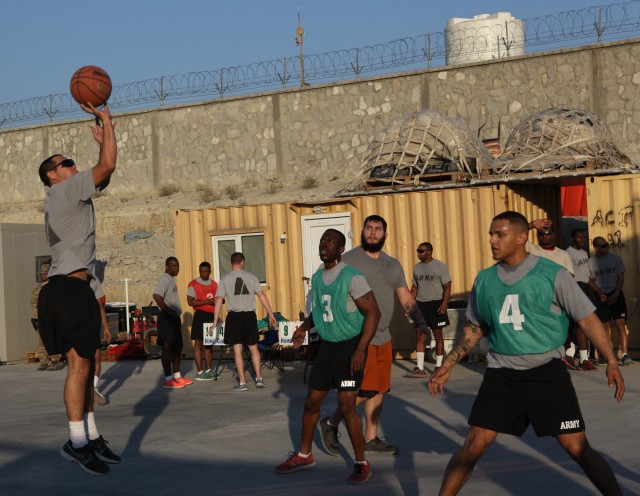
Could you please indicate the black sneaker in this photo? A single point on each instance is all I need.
(329, 437)
(85, 458)
(378, 446)
(102, 451)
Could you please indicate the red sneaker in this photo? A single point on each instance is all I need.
(587, 366)
(295, 462)
(183, 381)
(570, 362)
(172, 384)
(361, 473)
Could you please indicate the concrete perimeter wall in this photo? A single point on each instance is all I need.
(322, 131)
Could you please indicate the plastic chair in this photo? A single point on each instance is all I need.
(270, 351)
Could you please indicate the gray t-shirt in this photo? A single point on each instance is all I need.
(430, 278)
(567, 296)
(384, 275)
(239, 287)
(357, 288)
(166, 288)
(604, 271)
(70, 225)
(580, 259)
(97, 288)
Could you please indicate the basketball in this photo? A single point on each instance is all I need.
(90, 84)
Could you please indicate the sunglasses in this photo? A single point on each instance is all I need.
(545, 233)
(67, 162)
(421, 251)
(606, 245)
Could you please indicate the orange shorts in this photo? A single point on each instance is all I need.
(377, 370)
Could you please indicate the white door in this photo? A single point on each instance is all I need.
(313, 226)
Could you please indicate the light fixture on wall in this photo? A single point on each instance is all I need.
(317, 210)
(283, 237)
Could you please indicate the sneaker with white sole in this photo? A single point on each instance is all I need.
(102, 451)
(204, 376)
(294, 463)
(260, 383)
(172, 384)
(329, 437)
(183, 381)
(85, 458)
(240, 387)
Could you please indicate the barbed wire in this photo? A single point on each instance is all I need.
(597, 24)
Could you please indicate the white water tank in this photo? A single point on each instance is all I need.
(485, 37)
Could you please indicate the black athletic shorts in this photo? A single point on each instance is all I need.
(169, 330)
(200, 317)
(509, 400)
(331, 367)
(241, 328)
(607, 312)
(69, 316)
(430, 313)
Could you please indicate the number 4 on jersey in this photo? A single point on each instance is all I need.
(510, 312)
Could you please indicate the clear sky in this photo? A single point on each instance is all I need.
(44, 41)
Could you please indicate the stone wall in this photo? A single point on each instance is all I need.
(322, 131)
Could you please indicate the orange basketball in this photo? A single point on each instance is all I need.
(90, 84)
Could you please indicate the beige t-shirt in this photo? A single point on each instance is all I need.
(557, 255)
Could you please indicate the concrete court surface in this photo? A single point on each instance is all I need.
(209, 440)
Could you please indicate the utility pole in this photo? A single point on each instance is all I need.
(299, 40)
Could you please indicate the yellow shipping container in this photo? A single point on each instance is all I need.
(456, 221)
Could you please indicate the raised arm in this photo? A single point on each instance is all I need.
(105, 137)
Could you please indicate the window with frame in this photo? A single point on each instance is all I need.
(251, 245)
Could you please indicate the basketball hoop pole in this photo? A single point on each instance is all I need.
(126, 303)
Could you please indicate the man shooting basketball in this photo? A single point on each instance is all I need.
(68, 312)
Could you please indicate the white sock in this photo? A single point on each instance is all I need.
(420, 360)
(584, 355)
(208, 370)
(571, 350)
(95, 381)
(303, 456)
(77, 434)
(90, 422)
(176, 375)
(439, 360)
(167, 378)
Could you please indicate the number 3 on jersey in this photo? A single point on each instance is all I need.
(327, 314)
(510, 312)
